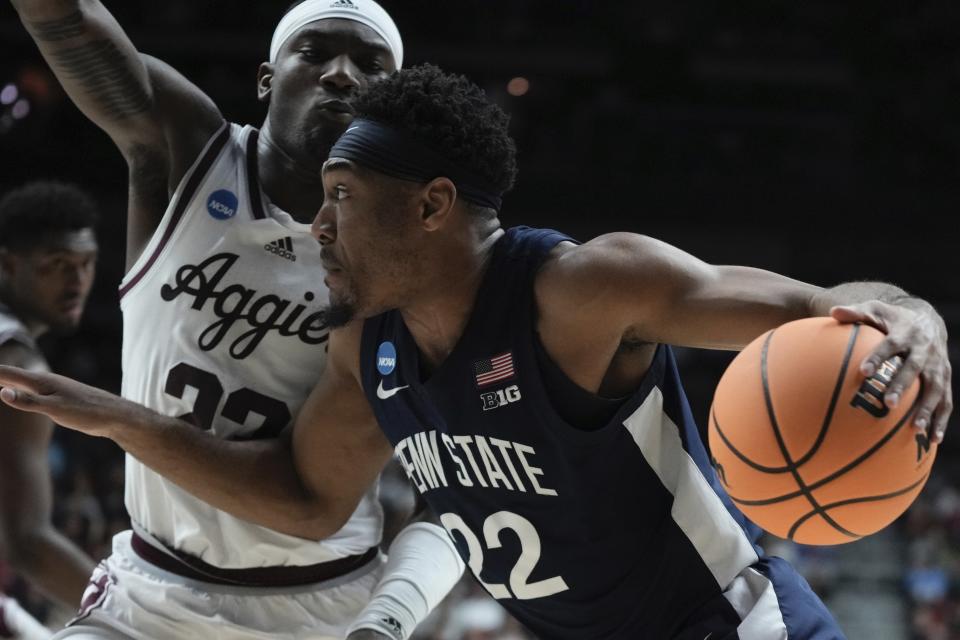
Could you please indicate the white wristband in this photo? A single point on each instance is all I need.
(422, 567)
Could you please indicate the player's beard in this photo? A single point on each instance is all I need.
(342, 307)
(340, 313)
(319, 139)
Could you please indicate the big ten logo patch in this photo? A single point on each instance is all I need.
(222, 204)
(500, 397)
(870, 394)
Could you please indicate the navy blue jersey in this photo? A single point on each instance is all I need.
(620, 531)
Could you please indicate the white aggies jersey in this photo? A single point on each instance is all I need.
(222, 317)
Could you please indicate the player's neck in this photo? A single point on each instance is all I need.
(293, 184)
(437, 316)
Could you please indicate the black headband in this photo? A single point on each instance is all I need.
(398, 154)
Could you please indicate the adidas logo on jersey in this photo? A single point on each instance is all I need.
(282, 247)
(343, 4)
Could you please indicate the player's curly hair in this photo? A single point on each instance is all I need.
(30, 214)
(448, 113)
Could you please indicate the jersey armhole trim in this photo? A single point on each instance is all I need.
(197, 173)
(21, 338)
(253, 176)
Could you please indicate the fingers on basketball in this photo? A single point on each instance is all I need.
(806, 445)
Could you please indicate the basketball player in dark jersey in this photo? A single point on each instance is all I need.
(48, 254)
(526, 384)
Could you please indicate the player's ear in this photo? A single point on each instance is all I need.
(264, 81)
(438, 197)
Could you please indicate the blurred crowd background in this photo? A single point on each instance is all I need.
(817, 139)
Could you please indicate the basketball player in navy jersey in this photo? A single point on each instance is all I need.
(48, 254)
(224, 329)
(526, 384)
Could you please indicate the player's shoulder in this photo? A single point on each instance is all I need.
(606, 251)
(191, 117)
(24, 434)
(17, 353)
(576, 273)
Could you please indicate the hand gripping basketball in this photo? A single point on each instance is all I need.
(807, 445)
(921, 337)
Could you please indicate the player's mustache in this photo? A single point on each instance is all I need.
(328, 259)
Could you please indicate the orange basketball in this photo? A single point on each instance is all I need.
(803, 442)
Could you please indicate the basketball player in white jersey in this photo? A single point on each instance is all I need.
(223, 327)
(48, 253)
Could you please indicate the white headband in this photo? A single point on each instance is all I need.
(365, 12)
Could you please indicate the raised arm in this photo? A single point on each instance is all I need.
(306, 483)
(636, 289)
(31, 545)
(158, 119)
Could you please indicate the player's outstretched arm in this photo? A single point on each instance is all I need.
(305, 483)
(339, 449)
(158, 119)
(636, 288)
(30, 543)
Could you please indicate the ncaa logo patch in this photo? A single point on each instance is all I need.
(386, 358)
(222, 204)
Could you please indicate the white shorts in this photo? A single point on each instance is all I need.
(131, 598)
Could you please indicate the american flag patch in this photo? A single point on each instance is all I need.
(493, 369)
